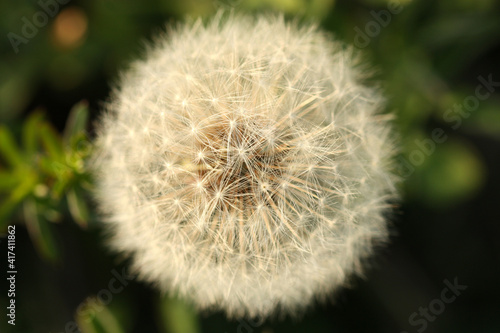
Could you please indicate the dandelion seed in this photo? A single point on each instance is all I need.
(251, 200)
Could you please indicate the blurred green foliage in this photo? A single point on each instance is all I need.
(42, 172)
(426, 58)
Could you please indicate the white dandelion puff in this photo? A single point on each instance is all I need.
(243, 166)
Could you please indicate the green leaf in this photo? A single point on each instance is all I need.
(77, 121)
(25, 187)
(97, 318)
(8, 148)
(30, 132)
(178, 317)
(78, 207)
(52, 142)
(8, 180)
(40, 232)
(61, 185)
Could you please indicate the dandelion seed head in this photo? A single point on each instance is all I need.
(220, 172)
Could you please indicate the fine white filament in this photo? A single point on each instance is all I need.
(243, 166)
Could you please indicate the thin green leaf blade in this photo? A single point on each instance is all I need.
(77, 121)
(78, 207)
(30, 132)
(52, 142)
(9, 149)
(40, 232)
(101, 320)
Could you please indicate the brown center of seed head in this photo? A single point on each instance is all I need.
(243, 175)
(240, 166)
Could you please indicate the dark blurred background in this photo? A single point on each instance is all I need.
(437, 63)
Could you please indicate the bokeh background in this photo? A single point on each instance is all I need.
(429, 57)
